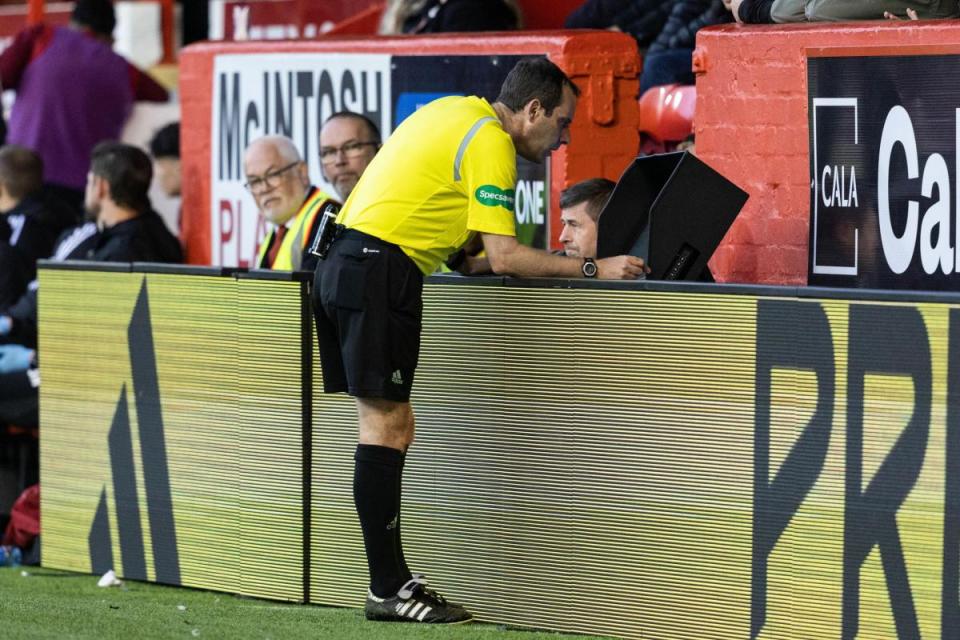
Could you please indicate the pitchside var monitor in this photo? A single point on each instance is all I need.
(672, 210)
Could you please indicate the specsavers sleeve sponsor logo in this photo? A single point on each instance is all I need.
(491, 196)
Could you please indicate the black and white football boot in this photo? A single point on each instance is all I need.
(415, 603)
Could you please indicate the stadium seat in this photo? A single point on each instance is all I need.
(19, 458)
(666, 116)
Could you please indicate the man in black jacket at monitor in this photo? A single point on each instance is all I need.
(580, 207)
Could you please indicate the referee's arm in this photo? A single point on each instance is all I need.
(510, 258)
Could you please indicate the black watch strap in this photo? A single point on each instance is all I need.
(455, 260)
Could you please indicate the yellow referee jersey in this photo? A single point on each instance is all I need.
(448, 170)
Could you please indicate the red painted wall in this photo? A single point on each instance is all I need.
(751, 125)
(603, 64)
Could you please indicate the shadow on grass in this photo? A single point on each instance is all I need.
(40, 572)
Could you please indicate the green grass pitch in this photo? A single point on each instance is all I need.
(45, 603)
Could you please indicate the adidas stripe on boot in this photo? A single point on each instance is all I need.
(415, 603)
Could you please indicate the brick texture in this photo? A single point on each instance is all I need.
(751, 125)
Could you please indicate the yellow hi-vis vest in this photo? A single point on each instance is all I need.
(298, 235)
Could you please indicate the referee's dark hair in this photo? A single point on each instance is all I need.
(96, 15)
(128, 171)
(372, 129)
(595, 191)
(21, 171)
(535, 78)
(165, 143)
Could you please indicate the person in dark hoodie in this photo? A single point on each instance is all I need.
(665, 32)
(30, 220)
(642, 19)
(669, 59)
(446, 16)
(122, 227)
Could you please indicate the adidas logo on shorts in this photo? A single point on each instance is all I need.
(396, 378)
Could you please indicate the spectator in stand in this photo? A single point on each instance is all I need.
(124, 228)
(443, 16)
(669, 60)
(73, 91)
(767, 11)
(910, 15)
(580, 207)
(665, 31)
(165, 149)
(348, 142)
(642, 19)
(30, 221)
(278, 181)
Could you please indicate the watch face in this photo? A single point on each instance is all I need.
(590, 269)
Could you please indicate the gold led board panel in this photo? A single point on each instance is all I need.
(637, 463)
(666, 465)
(544, 473)
(172, 436)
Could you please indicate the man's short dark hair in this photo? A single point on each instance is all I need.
(595, 191)
(21, 171)
(535, 78)
(372, 129)
(166, 142)
(128, 171)
(96, 15)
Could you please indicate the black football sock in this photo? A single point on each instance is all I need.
(403, 561)
(376, 494)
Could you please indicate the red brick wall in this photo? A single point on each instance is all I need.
(751, 125)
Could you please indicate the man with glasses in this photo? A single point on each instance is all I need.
(348, 142)
(278, 181)
(447, 174)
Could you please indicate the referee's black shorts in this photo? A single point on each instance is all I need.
(368, 306)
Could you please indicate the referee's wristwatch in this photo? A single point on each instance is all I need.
(589, 268)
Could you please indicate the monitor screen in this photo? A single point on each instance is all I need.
(672, 210)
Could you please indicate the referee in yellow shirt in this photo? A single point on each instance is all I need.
(446, 175)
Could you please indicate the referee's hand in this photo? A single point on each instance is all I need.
(621, 268)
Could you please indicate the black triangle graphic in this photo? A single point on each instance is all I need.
(156, 476)
(98, 540)
(153, 448)
(125, 497)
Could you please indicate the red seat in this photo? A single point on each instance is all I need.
(666, 112)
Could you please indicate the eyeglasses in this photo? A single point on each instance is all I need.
(269, 180)
(329, 155)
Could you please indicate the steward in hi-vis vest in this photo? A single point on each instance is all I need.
(278, 179)
(286, 246)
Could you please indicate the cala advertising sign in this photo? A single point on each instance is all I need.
(884, 180)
